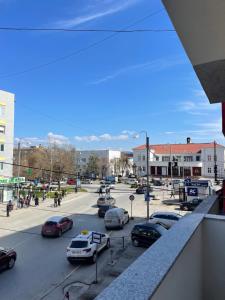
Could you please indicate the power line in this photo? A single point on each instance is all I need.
(81, 50)
(85, 30)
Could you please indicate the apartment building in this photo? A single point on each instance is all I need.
(183, 160)
(107, 160)
(6, 133)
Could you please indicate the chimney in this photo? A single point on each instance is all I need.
(188, 140)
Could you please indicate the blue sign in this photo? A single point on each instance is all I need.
(192, 191)
(203, 183)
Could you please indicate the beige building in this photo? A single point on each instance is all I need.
(6, 133)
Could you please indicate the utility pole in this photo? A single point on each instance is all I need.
(148, 198)
(215, 164)
(19, 159)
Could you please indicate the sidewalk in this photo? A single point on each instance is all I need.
(42, 204)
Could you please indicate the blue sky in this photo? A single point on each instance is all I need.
(100, 97)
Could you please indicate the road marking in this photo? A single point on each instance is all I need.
(58, 284)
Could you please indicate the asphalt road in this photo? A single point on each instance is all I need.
(41, 265)
(41, 268)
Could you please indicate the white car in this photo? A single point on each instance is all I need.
(82, 247)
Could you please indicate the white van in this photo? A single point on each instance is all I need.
(116, 217)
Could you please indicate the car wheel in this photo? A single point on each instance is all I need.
(59, 233)
(122, 225)
(71, 226)
(128, 220)
(11, 263)
(135, 243)
(43, 235)
(94, 258)
(108, 244)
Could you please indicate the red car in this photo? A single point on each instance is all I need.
(7, 258)
(71, 181)
(56, 226)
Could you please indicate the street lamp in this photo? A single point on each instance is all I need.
(147, 166)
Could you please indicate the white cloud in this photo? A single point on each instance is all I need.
(102, 137)
(57, 139)
(153, 65)
(29, 141)
(98, 10)
(199, 105)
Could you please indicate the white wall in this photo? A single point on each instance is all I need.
(7, 99)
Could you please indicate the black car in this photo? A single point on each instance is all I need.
(142, 189)
(7, 258)
(146, 234)
(190, 205)
(103, 209)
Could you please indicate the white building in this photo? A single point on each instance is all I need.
(106, 160)
(191, 159)
(6, 133)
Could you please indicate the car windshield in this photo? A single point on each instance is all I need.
(79, 244)
(50, 223)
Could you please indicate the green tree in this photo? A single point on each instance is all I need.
(93, 165)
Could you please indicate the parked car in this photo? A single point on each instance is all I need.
(105, 200)
(103, 209)
(168, 218)
(190, 205)
(142, 189)
(7, 258)
(86, 181)
(56, 226)
(146, 234)
(71, 181)
(82, 246)
(158, 182)
(116, 218)
(131, 181)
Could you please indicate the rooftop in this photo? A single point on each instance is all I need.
(178, 148)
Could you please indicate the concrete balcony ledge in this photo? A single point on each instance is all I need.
(210, 205)
(143, 278)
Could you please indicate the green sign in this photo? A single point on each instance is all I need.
(29, 171)
(12, 180)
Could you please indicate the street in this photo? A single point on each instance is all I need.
(41, 269)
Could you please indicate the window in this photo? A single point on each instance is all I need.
(2, 111)
(209, 170)
(178, 158)
(209, 157)
(157, 158)
(143, 157)
(143, 169)
(188, 158)
(2, 147)
(1, 165)
(198, 158)
(165, 158)
(2, 129)
(79, 244)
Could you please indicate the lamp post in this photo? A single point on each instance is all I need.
(147, 166)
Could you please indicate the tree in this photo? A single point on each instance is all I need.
(92, 166)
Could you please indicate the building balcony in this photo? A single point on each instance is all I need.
(186, 263)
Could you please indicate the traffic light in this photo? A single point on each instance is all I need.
(169, 165)
(215, 169)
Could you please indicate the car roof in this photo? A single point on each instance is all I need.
(54, 219)
(152, 225)
(166, 213)
(85, 235)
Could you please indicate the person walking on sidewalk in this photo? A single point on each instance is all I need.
(59, 200)
(172, 194)
(8, 208)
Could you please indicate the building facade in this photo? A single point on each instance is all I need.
(107, 161)
(182, 160)
(6, 133)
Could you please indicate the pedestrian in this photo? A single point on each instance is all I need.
(100, 191)
(43, 195)
(55, 201)
(67, 296)
(8, 208)
(36, 200)
(172, 194)
(63, 193)
(59, 200)
(21, 202)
